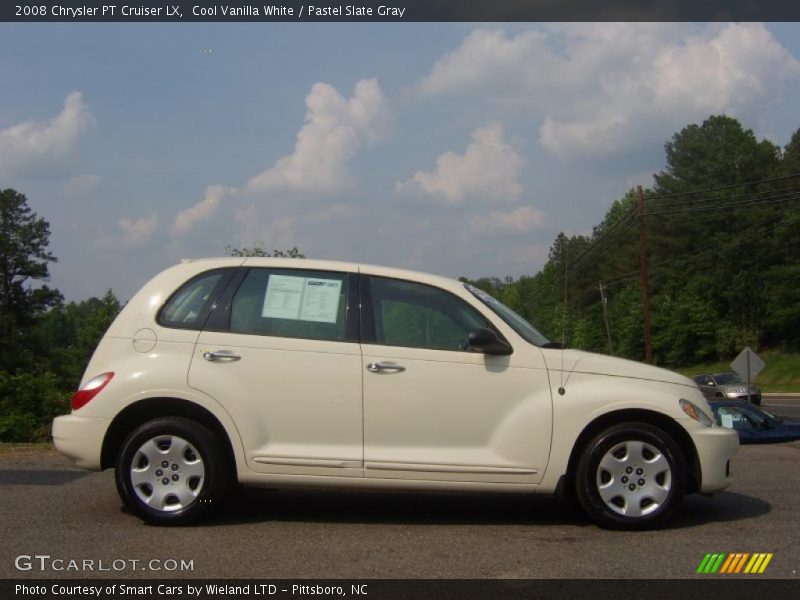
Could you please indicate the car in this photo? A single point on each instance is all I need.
(728, 386)
(754, 425)
(297, 372)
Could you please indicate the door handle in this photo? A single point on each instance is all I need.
(226, 355)
(383, 367)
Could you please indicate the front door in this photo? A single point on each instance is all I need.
(433, 410)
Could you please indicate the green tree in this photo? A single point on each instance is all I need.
(717, 153)
(68, 336)
(260, 250)
(24, 260)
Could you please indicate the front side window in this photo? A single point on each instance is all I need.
(421, 316)
(292, 303)
(189, 306)
(519, 324)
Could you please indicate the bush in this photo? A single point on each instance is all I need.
(28, 405)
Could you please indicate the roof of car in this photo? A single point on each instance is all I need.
(329, 265)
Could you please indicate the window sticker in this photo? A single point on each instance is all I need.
(283, 297)
(727, 421)
(302, 298)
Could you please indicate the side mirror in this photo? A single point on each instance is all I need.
(488, 342)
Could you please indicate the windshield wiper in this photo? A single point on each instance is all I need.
(556, 345)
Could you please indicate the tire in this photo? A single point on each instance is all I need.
(631, 455)
(171, 471)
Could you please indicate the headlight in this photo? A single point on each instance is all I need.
(696, 413)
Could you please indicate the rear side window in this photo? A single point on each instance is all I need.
(189, 306)
(292, 303)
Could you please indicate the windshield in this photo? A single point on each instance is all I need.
(527, 331)
(727, 379)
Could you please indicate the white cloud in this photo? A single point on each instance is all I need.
(734, 70)
(484, 58)
(601, 87)
(186, 219)
(489, 169)
(279, 233)
(136, 232)
(283, 231)
(81, 185)
(336, 127)
(46, 147)
(132, 232)
(521, 220)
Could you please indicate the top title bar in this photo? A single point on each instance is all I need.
(402, 10)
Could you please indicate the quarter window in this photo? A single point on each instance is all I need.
(189, 306)
(421, 316)
(292, 303)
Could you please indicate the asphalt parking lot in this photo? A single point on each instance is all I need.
(51, 509)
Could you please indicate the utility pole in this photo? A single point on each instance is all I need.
(604, 301)
(648, 340)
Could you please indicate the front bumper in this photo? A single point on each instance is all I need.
(81, 439)
(755, 397)
(716, 447)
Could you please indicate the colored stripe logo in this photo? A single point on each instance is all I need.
(735, 562)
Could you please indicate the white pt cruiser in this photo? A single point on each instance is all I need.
(313, 373)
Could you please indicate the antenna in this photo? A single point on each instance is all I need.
(561, 389)
(606, 318)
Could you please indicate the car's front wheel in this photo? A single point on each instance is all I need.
(631, 476)
(170, 471)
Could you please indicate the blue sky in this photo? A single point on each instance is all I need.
(454, 148)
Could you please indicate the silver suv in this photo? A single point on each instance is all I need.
(728, 386)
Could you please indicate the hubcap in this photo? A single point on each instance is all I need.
(158, 457)
(634, 478)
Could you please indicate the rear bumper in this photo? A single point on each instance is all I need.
(81, 439)
(716, 447)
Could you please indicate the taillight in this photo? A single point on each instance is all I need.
(90, 389)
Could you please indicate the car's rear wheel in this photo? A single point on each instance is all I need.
(170, 471)
(631, 476)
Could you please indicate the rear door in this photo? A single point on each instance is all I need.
(280, 352)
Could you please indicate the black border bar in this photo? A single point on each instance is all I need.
(398, 10)
(697, 588)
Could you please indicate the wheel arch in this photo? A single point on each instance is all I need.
(656, 419)
(134, 415)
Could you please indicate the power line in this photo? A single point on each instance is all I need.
(757, 199)
(793, 194)
(627, 219)
(722, 188)
(751, 232)
(617, 230)
(717, 196)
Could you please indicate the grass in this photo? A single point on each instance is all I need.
(782, 373)
(22, 448)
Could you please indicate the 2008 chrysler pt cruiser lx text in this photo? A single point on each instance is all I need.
(302, 372)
